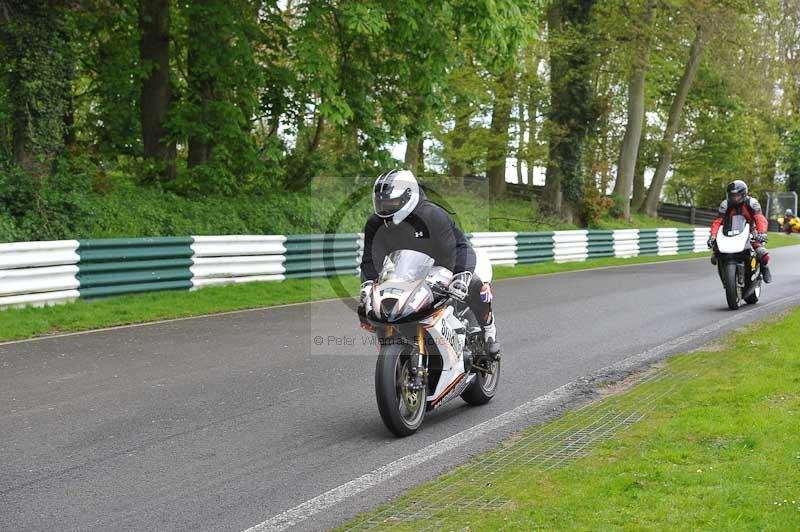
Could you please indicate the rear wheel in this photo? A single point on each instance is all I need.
(733, 293)
(484, 386)
(402, 407)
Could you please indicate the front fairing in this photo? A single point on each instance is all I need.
(734, 237)
(397, 301)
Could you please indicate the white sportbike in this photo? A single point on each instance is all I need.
(737, 263)
(431, 346)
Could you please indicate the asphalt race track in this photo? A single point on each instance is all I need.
(222, 423)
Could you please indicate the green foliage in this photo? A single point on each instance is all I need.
(616, 207)
(8, 228)
(268, 95)
(38, 60)
(593, 205)
(108, 76)
(574, 107)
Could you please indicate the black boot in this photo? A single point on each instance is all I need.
(766, 274)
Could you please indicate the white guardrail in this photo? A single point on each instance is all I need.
(237, 259)
(38, 273)
(46, 273)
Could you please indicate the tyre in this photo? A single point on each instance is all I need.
(484, 386)
(732, 291)
(402, 409)
(752, 299)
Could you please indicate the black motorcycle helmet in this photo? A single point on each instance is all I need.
(737, 192)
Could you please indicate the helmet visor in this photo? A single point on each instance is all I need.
(388, 206)
(735, 197)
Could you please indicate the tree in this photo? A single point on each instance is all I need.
(650, 205)
(572, 109)
(156, 92)
(497, 150)
(36, 49)
(623, 186)
(220, 96)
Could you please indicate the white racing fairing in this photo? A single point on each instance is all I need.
(736, 241)
(448, 334)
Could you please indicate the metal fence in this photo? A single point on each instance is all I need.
(687, 215)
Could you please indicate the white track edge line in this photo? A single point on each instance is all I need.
(320, 503)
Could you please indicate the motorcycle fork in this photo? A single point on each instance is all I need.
(419, 370)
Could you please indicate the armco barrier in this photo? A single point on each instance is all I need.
(321, 255)
(667, 241)
(600, 244)
(626, 243)
(39, 273)
(501, 248)
(237, 259)
(685, 240)
(130, 265)
(648, 241)
(534, 247)
(570, 246)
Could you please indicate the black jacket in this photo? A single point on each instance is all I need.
(428, 229)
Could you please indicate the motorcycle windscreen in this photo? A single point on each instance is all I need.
(734, 236)
(406, 266)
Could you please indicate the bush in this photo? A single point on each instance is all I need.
(81, 200)
(593, 206)
(8, 228)
(617, 206)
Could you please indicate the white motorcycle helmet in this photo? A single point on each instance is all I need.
(395, 195)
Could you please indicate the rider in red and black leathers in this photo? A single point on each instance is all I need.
(740, 203)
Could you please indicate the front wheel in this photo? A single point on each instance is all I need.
(484, 386)
(402, 407)
(733, 293)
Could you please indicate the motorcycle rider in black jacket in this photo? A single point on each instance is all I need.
(405, 219)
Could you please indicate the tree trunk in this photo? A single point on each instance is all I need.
(573, 109)
(200, 84)
(315, 142)
(155, 93)
(533, 110)
(636, 96)
(551, 196)
(497, 149)
(421, 155)
(412, 152)
(37, 63)
(456, 167)
(521, 143)
(673, 123)
(639, 191)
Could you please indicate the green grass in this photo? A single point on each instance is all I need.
(719, 449)
(139, 308)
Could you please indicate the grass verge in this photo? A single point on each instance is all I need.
(710, 441)
(139, 308)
